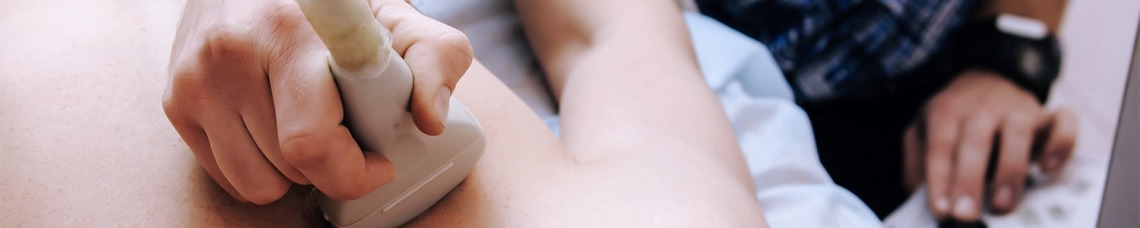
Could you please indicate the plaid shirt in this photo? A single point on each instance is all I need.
(830, 49)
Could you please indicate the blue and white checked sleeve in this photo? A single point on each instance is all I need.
(832, 49)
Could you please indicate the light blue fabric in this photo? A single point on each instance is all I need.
(775, 135)
(725, 55)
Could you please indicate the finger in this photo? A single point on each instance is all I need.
(206, 159)
(252, 175)
(437, 54)
(1012, 161)
(199, 144)
(186, 80)
(231, 55)
(259, 118)
(309, 116)
(1060, 135)
(940, 134)
(972, 159)
(912, 157)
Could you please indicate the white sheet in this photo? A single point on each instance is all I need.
(774, 134)
(1071, 199)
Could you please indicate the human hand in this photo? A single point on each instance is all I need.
(251, 94)
(979, 113)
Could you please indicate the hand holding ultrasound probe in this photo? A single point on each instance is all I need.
(253, 96)
(375, 85)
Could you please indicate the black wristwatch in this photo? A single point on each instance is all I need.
(1018, 48)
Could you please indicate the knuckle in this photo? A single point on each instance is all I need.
(1067, 137)
(942, 104)
(979, 123)
(1021, 119)
(188, 96)
(973, 157)
(169, 100)
(225, 41)
(302, 148)
(285, 15)
(172, 109)
(940, 165)
(940, 137)
(458, 45)
(457, 41)
(941, 119)
(186, 78)
(940, 130)
(1066, 115)
(189, 88)
(1013, 170)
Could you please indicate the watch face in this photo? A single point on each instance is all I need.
(1031, 63)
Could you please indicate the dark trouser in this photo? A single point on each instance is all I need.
(860, 145)
(860, 141)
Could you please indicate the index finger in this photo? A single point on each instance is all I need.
(940, 135)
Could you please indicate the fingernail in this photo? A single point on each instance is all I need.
(964, 207)
(1003, 197)
(942, 204)
(441, 99)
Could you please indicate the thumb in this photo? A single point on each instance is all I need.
(437, 54)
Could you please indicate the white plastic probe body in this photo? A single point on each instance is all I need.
(375, 86)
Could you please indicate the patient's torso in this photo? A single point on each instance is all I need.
(83, 139)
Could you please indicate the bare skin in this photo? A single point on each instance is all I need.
(85, 142)
(82, 135)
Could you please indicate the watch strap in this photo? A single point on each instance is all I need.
(1030, 62)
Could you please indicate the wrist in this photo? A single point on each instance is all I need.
(985, 79)
(1017, 48)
